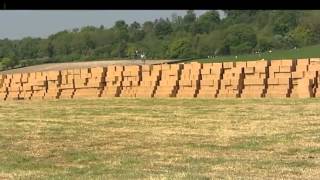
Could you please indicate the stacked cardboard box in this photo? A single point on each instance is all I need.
(53, 83)
(150, 76)
(189, 80)
(303, 80)
(80, 80)
(66, 89)
(90, 82)
(3, 86)
(113, 80)
(26, 86)
(232, 82)
(168, 85)
(280, 79)
(210, 77)
(14, 87)
(255, 79)
(38, 83)
(131, 80)
(314, 68)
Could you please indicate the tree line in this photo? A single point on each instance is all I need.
(188, 36)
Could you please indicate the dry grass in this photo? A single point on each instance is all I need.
(160, 139)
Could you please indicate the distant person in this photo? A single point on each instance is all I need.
(136, 54)
(143, 58)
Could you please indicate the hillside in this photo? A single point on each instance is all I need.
(299, 53)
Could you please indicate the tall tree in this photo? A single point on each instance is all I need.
(162, 28)
(207, 22)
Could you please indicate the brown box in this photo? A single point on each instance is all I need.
(228, 65)
(285, 68)
(276, 63)
(249, 70)
(282, 75)
(241, 64)
(303, 62)
(286, 62)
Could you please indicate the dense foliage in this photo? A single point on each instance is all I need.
(241, 31)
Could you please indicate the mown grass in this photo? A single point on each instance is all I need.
(160, 139)
(299, 53)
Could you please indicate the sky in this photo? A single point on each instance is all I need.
(18, 24)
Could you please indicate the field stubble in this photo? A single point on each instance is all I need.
(122, 138)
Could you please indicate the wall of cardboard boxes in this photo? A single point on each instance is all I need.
(251, 79)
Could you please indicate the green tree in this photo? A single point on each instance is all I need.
(147, 27)
(311, 20)
(180, 48)
(189, 21)
(207, 22)
(162, 28)
(264, 44)
(190, 17)
(8, 63)
(284, 21)
(121, 31)
(240, 39)
(302, 36)
(211, 44)
(135, 32)
(28, 48)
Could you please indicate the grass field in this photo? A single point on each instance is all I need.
(160, 139)
(305, 52)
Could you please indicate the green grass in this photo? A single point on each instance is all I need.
(122, 138)
(299, 53)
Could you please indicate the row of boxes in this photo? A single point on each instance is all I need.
(254, 79)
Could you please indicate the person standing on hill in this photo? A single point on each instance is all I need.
(143, 58)
(136, 55)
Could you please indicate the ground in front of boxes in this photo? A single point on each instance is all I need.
(160, 138)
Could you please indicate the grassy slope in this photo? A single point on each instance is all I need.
(160, 138)
(306, 52)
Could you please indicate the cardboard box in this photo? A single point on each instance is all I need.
(282, 75)
(249, 70)
(276, 63)
(287, 62)
(228, 65)
(285, 68)
(303, 62)
(241, 64)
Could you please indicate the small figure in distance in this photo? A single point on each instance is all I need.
(143, 58)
